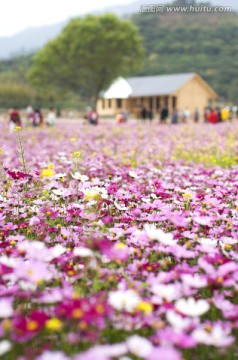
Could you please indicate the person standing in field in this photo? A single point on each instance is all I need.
(150, 115)
(219, 114)
(196, 116)
(225, 114)
(125, 114)
(213, 117)
(164, 114)
(51, 117)
(37, 118)
(144, 113)
(93, 118)
(186, 115)
(14, 119)
(120, 117)
(29, 113)
(174, 117)
(206, 114)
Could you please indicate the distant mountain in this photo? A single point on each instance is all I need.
(32, 39)
(28, 41)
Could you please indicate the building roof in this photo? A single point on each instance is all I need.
(119, 89)
(158, 85)
(147, 85)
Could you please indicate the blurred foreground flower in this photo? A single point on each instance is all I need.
(191, 307)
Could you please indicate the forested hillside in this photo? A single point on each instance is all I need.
(198, 42)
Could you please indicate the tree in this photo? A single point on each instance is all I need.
(12, 94)
(88, 55)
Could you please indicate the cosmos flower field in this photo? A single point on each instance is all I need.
(119, 242)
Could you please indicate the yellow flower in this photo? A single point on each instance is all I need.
(1, 150)
(17, 128)
(47, 173)
(187, 196)
(54, 324)
(72, 139)
(91, 194)
(6, 324)
(120, 245)
(32, 325)
(51, 166)
(77, 313)
(77, 154)
(145, 307)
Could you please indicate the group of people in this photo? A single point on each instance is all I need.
(217, 115)
(146, 114)
(176, 116)
(183, 116)
(210, 115)
(34, 118)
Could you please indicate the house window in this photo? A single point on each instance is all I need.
(103, 104)
(151, 103)
(142, 101)
(157, 102)
(119, 103)
(166, 101)
(109, 103)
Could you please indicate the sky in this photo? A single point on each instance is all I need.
(17, 15)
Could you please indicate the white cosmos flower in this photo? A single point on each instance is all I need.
(126, 300)
(217, 336)
(202, 220)
(2, 198)
(27, 286)
(168, 292)
(5, 346)
(78, 176)
(209, 243)
(5, 260)
(178, 322)
(120, 207)
(191, 307)
(52, 355)
(139, 346)
(133, 174)
(95, 192)
(5, 308)
(159, 235)
(34, 221)
(59, 192)
(83, 252)
(58, 250)
(60, 175)
(195, 281)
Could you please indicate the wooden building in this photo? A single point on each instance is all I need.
(176, 91)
